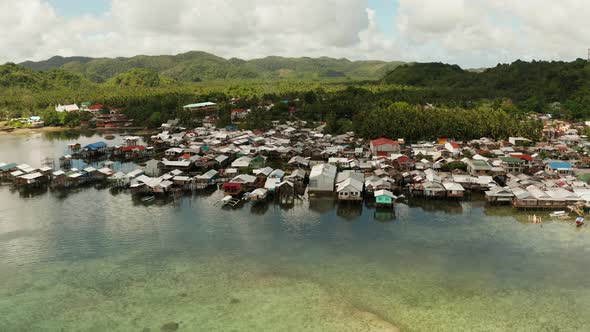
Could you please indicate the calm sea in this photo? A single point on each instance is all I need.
(97, 260)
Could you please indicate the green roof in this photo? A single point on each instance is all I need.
(584, 177)
(480, 164)
(512, 160)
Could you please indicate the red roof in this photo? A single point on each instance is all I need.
(96, 107)
(455, 145)
(133, 147)
(404, 159)
(523, 157)
(185, 156)
(238, 110)
(231, 186)
(383, 141)
(257, 132)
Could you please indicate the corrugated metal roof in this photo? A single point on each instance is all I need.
(197, 105)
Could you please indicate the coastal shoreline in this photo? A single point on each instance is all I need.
(22, 131)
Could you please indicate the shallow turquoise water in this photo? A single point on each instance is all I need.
(97, 261)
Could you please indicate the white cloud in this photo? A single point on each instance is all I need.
(225, 27)
(484, 32)
(469, 32)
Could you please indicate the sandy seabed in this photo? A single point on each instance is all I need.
(218, 293)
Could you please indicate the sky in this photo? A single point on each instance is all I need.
(471, 33)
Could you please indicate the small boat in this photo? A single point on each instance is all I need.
(109, 137)
(579, 222)
(228, 200)
(559, 214)
(148, 199)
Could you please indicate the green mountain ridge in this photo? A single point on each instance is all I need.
(196, 66)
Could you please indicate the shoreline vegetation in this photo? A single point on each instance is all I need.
(142, 131)
(415, 101)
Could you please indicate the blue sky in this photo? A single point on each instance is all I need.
(385, 10)
(73, 8)
(470, 33)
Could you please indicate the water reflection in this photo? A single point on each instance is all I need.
(35, 148)
(446, 206)
(349, 211)
(322, 205)
(384, 214)
(75, 134)
(72, 245)
(30, 192)
(67, 135)
(259, 208)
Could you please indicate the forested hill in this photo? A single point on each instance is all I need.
(532, 85)
(15, 76)
(200, 66)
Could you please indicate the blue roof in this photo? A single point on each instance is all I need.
(96, 146)
(560, 165)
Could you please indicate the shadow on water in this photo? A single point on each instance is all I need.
(322, 204)
(29, 192)
(446, 206)
(67, 135)
(349, 211)
(157, 201)
(287, 207)
(64, 193)
(384, 214)
(74, 134)
(259, 208)
(204, 192)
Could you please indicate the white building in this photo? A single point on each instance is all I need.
(322, 178)
(67, 108)
(242, 162)
(350, 190)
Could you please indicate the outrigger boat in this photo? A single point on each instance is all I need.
(228, 200)
(559, 215)
(148, 199)
(578, 210)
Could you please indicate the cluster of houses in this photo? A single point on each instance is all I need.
(290, 161)
(87, 107)
(103, 116)
(353, 169)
